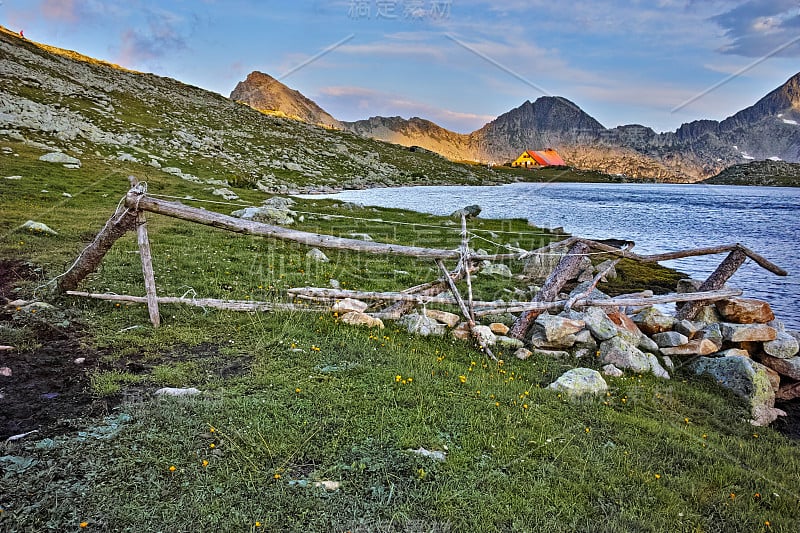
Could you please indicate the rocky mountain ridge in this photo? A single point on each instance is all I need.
(769, 129)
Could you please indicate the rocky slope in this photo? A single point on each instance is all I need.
(58, 100)
(770, 129)
(772, 173)
(265, 93)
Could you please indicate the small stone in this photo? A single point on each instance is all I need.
(172, 391)
(611, 370)
(79, 360)
(58, 157)
(362, 236)
(436, 455)
(499, 328)
(646, 344)
(484, 334)
(417, 324)
(38, 227)
(748, 332)
(708, 314)
(470, 211)
(315, 254)
(623, 355)
(735, 352)
(356, 318)
(334, 284)
(624, 323)
(348, 305)
(580, 382)
(496, 269)
(688, 328)
(695, 347)
(669, 339)
(656, 368)
(462, 332)
(784, 346)
(451, 319)
(713, 333)
(745, 310)
(668, 364)
(5, 371)
(522, 354)
(508, 342)
(553, 354)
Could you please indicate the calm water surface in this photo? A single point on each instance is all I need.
(658, 217)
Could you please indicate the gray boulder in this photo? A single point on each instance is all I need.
(315, 254)
(580, 382)
(470, 211)
(745, 378)
(668, 339)
(784, 346)
(623, 355)
(38, 227)
(787, 367)
(558, 327)
(59, 157)
(496, 269)
(267, 214)
(598, 323)
(422, 325)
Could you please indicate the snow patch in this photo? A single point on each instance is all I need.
(775, 158)
(792, 122)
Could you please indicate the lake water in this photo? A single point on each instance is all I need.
(658, 217)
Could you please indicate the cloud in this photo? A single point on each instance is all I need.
(355, 103)
(159, 37)
(762, 28)
(60, 11)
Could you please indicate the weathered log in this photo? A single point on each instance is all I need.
(227, 305)
(566, 270)
(628, 301)
(466, 264)
(592, 285)
(250, 227)
(147, 260)
(88, 261)
(715, 281)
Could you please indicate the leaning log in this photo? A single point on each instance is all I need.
(566, 270)
(715, 281)
(92, 255)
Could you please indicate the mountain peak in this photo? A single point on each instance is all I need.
(263, 92)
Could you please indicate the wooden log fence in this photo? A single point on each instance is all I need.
(136, 202)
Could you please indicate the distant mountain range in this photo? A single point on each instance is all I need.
(770, 129)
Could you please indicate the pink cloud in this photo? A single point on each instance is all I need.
(60, 10)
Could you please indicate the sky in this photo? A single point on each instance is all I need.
(459, 63)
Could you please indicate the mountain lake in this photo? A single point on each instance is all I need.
(657, 217)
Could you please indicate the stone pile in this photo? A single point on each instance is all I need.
(737, 342)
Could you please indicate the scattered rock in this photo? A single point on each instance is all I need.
(328, 486)
(580, 382)
(788, 391)
(225, 193)
(552, 354)
(362, 236)
(451, 319)
(522, 354)
(747, 379)
(357, 318)
(79, 360)
(485, 335)
(611, 370)
(172, 391)
(748, 332)
(5, 371)
(612, 272)
(499, 328)
(436, 455)
(315, 254)
(470, 211)
(59, 157)
(496, 269)
(646, 344)
(348, 305)
(462, 332)
(422, 325)
(267, 214)
(656, 368)
(334, 284)
(38, 227)
(745, 310)
(784, 346)
(508, 342)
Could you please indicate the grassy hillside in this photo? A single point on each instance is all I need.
(292, 399)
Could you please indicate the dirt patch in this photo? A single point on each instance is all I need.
(789, 425)
(12, 272)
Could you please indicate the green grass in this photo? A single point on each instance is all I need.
(299, 397)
